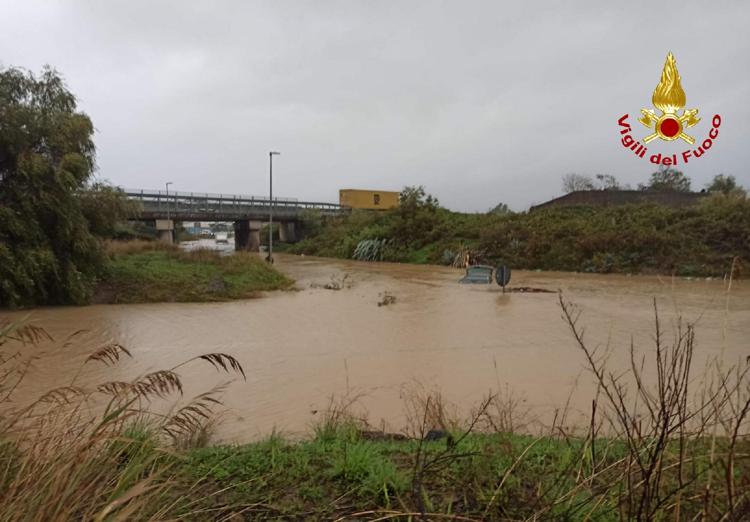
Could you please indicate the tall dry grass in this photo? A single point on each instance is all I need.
(199, 255)
(96, 452)
(137, 246)
(677, 430)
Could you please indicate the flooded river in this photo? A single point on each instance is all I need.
(301, 347)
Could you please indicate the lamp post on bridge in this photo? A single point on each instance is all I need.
(271, 154)
(171, 232)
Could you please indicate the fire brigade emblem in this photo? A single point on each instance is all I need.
(669, 98)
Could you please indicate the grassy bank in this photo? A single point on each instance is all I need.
(142, 271)
(701, 240)
(498, 476)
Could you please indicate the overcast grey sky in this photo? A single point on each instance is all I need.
(480, 102)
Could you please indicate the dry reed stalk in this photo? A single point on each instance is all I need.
(652, 420)
(137, 246)
(64, 459)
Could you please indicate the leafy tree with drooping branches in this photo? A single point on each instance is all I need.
(48, 254)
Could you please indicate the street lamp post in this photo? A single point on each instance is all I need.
(270, 197)
(171, 231)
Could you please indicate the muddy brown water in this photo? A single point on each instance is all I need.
(301, 347)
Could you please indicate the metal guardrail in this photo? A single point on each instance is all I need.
(177, 203)
(148, 194)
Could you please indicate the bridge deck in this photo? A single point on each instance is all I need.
(196, 206)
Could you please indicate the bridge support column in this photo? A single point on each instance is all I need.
(165, 230)
(287, 232)
(255, 227)
(246, 236)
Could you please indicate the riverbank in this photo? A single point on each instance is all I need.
(498, 476)
(699, 240)
(342, 475)
(151, 272)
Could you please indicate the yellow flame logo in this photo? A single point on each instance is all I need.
(668, 95)
(669, 98)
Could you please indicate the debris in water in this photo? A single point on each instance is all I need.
(336, 283)
(386, 299)
(528, 290)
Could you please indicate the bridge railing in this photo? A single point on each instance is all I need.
(178, 202)
(172, 194)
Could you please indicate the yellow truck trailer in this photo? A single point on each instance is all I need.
(368, 199)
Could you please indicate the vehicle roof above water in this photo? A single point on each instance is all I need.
(480, 267)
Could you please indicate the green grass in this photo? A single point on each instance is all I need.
(332, 476)
(174, 276)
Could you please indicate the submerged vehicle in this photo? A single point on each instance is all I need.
(222, 237)
(477, 274)
(482, 274)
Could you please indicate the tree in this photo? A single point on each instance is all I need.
(104, 206)
(607, 182)
(48, 255)
(501, 209)
(574, 182)
(666, 180)
(417, 220)
(724, 184)
(412, 199)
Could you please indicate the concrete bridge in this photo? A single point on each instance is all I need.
(249, 213)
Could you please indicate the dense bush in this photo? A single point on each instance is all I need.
(698, 240)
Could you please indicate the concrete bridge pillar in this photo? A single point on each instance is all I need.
(255, 227)
(246, 236)
(165, 230)
(254, 240)
(287, 232)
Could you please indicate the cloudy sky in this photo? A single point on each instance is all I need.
(480, 102)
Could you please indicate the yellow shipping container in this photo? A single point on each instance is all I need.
(368, 199)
